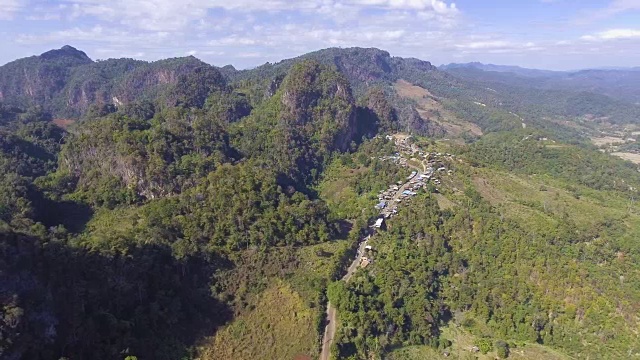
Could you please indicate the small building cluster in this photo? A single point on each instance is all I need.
(396, 194)
(396, 159)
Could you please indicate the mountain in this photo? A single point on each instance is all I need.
(67, 83)
(38, 79)
(447, 103)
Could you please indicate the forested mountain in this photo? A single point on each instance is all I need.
(195, 212)
(67, 83)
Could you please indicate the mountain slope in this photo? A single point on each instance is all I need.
(67, 83)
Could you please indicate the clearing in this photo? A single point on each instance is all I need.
(633, 157)
(462, 343)
(606, 140)
(431, 108)
(280, 326)
(63, 123)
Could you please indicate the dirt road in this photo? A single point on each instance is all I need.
(329, 332)
(330, 329)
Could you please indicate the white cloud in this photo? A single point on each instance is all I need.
(614, 8)
(493, 46)
(171, 15)
(620, 6)
(8, 8)
(438, 6)
(234, 40)
(98, 34)
(40, 13)
(43, 17)
(613, 34)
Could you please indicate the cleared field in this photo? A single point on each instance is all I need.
(279, 303)
(531, 199)
(429, 107)
(634, 158)
(606, 140)
(444, 202)
(63, 123)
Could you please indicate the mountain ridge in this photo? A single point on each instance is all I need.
(620, 84)
(67, 83)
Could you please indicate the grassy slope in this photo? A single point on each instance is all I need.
(599, 283)
(279, 326)
(429, 107)
(277, 296)
(279, 299)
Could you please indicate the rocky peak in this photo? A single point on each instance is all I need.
(68, 52)
(318, 100)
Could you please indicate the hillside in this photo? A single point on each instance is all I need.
(344, 204)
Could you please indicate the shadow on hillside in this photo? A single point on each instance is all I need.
(344, 227)
(72, 215)
(80, 304)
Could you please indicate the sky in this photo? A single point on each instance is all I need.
(545, 34)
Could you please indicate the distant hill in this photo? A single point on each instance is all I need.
(618, 83)
(458, 88)
(501, 68)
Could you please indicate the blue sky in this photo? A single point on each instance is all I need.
(550, 34)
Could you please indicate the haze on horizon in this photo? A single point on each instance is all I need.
(543, 34)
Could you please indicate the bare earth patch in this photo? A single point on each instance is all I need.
(444, 203)
(408, 90)
(488, 191)
(606, 140)
(634, 158)
(63, 123)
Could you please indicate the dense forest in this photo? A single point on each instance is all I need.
(186, 211)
